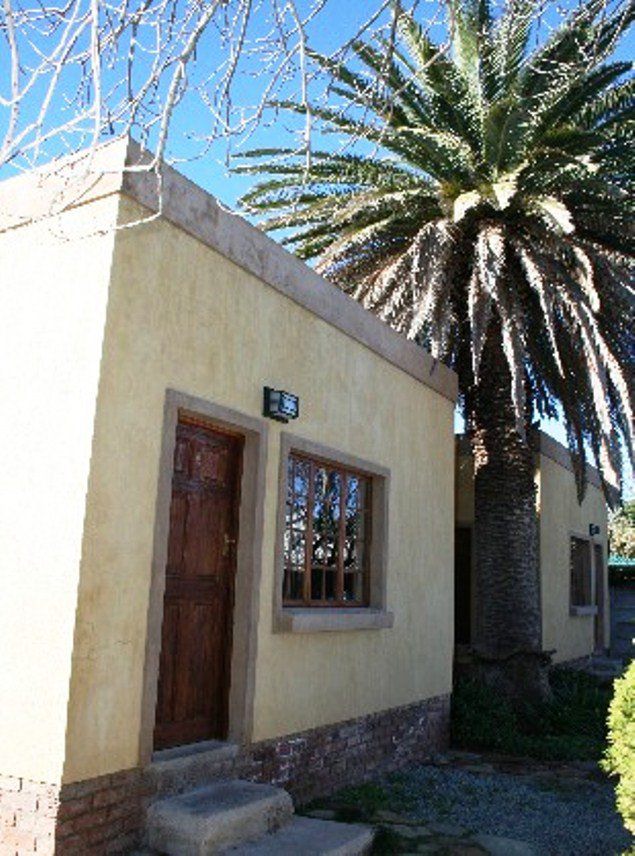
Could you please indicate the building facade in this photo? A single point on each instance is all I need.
(192, 588)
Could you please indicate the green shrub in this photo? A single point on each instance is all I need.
(619, 759)
(480, 720)
(570, 727)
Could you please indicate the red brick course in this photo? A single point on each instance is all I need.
(319, 761)
(102, 815)
(107, 815)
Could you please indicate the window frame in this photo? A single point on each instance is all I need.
(344, 472)
(589, 608)
(328, 616)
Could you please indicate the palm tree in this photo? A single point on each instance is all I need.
(487, 215)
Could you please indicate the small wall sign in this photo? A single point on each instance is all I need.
(594, 529)
(280, 405)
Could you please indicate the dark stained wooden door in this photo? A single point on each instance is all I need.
(462, 586)
(196, 636)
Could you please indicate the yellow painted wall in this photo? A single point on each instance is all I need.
(53, 296)
(184, 317)
(561, 516)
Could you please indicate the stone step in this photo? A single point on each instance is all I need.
(210, 819)
(174, 771)
(305, 836)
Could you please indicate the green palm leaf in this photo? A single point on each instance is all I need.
(491, 198)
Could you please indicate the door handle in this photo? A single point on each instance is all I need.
(228, 543)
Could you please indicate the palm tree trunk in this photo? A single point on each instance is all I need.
(508, 634)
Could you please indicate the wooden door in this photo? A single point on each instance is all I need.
(462, 586)
(196, 636)
(599, 597)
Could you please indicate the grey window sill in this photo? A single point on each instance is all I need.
(318, 620)
(583, 610)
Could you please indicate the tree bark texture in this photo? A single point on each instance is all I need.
(508, 633)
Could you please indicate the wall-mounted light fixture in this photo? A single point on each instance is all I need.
(280, 405)
(594, 529)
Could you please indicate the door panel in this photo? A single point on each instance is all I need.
(463, 586)
(196, 636)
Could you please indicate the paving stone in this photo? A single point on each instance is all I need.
(463, 850)
(387, 816)
(322, 813)
(448, 829)
(310, 837)
(497, 846)
(410, 831)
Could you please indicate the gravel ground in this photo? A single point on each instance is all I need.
(559, 815)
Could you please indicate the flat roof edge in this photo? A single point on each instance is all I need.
(551, 448)
(62, 185)
(188, 206)
(557, 452)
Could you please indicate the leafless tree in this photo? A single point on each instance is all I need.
(77, 72)
(177, 75)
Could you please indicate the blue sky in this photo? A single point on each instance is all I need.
(339, 20)
(215, 177)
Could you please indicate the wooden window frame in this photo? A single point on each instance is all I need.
(344, 472)
(589, 608)
(299, 616)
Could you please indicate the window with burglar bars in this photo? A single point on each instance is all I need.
(327, 534)
(580, 557)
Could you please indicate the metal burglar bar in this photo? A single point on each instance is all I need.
(327, 534)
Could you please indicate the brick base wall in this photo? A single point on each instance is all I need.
(107, 815)
(322, 760)
(104, 815)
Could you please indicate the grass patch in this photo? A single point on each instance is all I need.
(387, 842)
(360, 804)
(571, 727)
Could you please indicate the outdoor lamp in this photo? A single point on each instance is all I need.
(280, 405)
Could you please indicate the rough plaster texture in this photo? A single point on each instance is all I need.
(53, 301)
(560, 516)
(181, 316)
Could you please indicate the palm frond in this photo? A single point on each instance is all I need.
(490, 193)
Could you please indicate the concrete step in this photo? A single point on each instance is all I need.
(174, 771)
(305, 836)
(599, 665)
(207, 820)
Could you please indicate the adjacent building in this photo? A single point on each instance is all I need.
(573, 541)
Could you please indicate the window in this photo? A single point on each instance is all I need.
(580, 561)
(327, 534)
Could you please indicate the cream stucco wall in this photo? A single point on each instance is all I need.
(560, 517)
(53, 298)
(181, 316)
